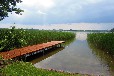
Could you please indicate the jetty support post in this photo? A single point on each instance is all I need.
(43, 52)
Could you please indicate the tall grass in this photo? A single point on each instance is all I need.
(16, 38)
(103, 41)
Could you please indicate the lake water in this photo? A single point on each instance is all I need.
(78, 57)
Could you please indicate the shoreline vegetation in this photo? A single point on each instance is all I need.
(18, 38)
(102, 41)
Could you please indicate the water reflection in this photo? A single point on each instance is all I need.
(39, 57)
(81, 36)
(105, 58)
(78, 57)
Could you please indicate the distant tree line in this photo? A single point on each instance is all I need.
(112, 30)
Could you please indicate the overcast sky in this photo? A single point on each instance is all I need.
(63, 11)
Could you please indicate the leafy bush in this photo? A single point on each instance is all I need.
(11, 38)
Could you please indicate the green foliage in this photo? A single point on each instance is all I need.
(11, 38)
(16, 38)
(40, 36)
(27, 69)
(9, 6)
(103, 41)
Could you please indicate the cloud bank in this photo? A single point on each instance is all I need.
(73, 26)
(63, 11)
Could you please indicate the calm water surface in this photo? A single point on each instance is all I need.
(79, 57)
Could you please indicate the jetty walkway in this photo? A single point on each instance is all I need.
(30, 50)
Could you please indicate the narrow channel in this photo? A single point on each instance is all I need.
(79, 57)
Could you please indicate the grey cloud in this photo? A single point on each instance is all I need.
(68, 11)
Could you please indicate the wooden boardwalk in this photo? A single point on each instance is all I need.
(30, 50)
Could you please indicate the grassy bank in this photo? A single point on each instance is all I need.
(103, 41)
(16, 38)
(27, 69)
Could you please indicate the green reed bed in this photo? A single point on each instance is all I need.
(27, 69)
(16, 38)
(103, 41)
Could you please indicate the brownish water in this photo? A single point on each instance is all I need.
(78, 57)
